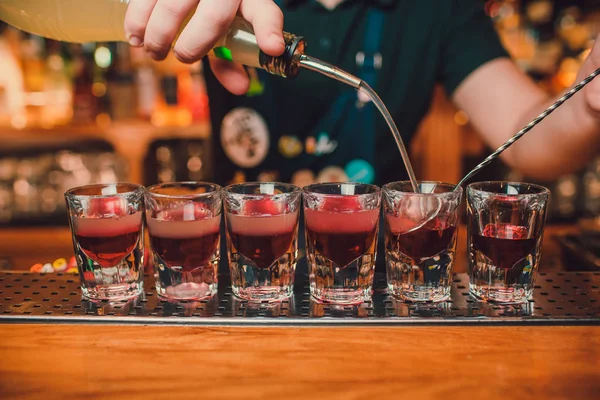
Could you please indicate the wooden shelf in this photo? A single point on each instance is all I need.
(32, 135)
(130, 139)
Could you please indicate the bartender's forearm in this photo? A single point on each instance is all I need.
(501, 100)
(563, 143)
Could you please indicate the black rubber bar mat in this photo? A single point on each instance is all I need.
(564, 298)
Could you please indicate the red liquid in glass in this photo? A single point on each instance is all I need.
(424, 242)
(264, 238)
(108, 240)
(341, 237)
(504, 244)
(185, 240)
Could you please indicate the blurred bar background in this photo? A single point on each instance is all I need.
(103, 112)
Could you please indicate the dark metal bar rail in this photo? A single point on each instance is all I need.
(569, 298)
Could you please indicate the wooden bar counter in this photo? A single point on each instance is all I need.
(78, 361)
(127, 362)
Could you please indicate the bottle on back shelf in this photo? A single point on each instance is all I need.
(85, 103)
(196, 164)
(121, 85)
(12, 86)
(58, 91)
(32, 61)
(34, 73)
(197, 99)
(146, 82)
(169, 111)
(591, 189)
(104, 55)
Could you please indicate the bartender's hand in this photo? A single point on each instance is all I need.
(592, 90)
(563, 143)
(154, 24)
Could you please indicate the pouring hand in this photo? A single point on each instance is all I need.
(154, 24)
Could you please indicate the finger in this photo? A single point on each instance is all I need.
(267, 20)
(232, 76)
(592, 95)
(594, 55)
(136, 20)
(164, 23)
(592, 91)
(210, 22)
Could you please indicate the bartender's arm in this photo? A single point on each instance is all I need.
(500, 100)
(154, 24)
(498, 97)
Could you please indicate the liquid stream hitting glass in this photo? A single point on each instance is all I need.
(103, 20)
(420, 256)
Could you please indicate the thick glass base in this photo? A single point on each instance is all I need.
(341, 296)
(113, 292)
(121, 281)
(514, 285)
(504, 295)
(274, 283)
(187, 291)
(263, 293)
(178, 283)
(419, 293)
(352, 284)
(420, 280)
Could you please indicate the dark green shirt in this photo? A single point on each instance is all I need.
(424, 42)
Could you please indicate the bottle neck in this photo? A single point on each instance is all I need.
(287, 64)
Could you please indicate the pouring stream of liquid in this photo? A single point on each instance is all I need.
(334, 72)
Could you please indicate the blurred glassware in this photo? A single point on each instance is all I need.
(12, 85)
(169, 160)
(564, 201)
(591, 189)
(121, 85)
(32, 185)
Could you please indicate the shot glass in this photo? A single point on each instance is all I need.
(505, 228)
(420, 239)
(341, 223)
(262, 239)
(108, 238)
(184, 220)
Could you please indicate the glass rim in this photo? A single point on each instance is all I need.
(134, 188)
(455, 189)
(217, 189)
(309, 188)
(293, 189)
(473, 187)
